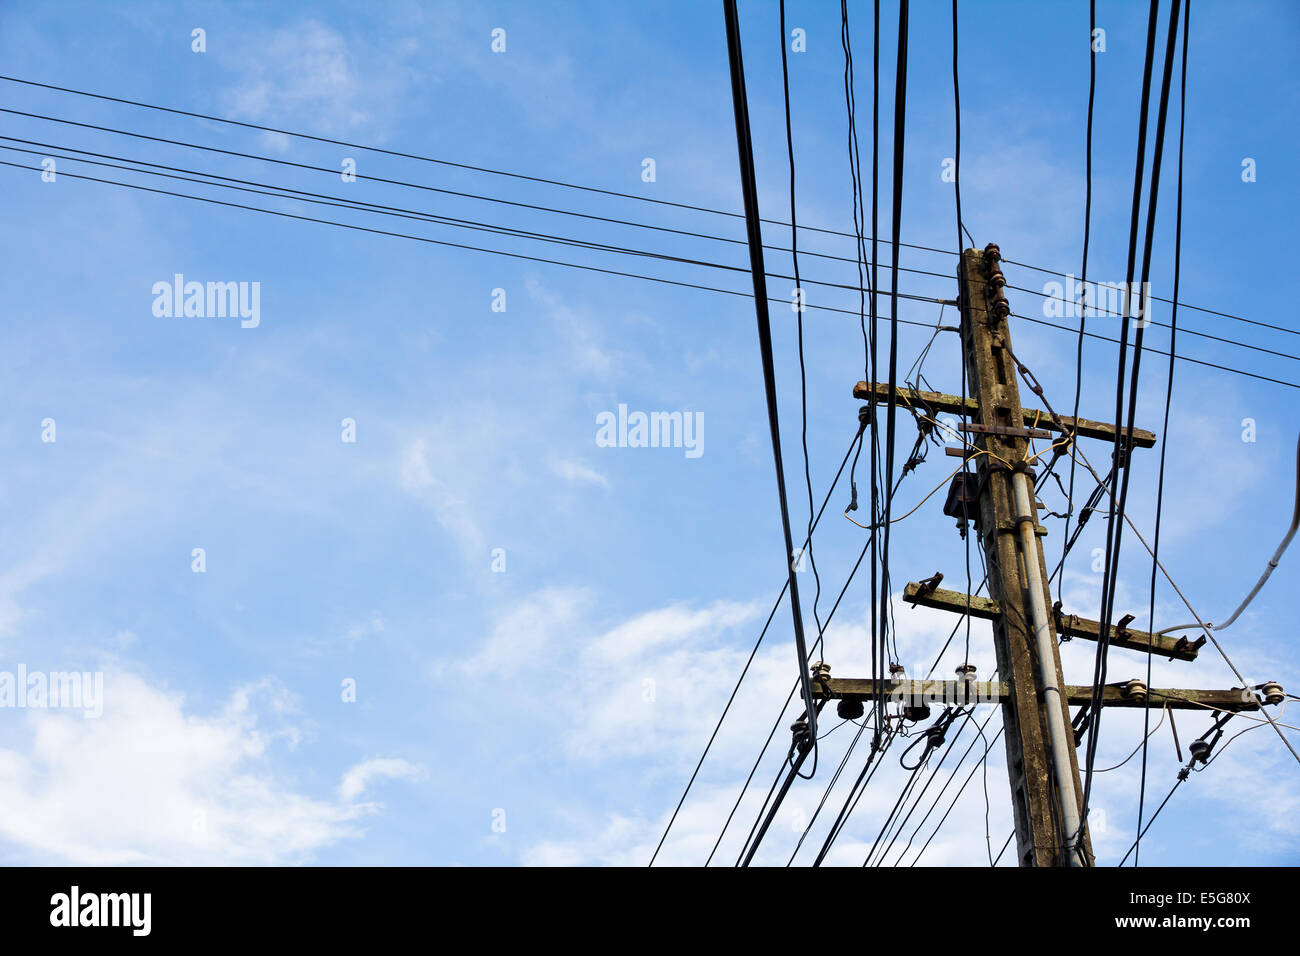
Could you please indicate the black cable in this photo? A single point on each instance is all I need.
(907, 787)
(1156, 351)
(950, 744)
(758, 820)
(1154, 298)
(437, 242)
(988, 746)
(1097, 310)
(1178, 783)
(750, 189)
(804, 750)
(510, 231)
(877, 621)
(878, 748)
(799, 293)
(855, 176)
(522, 176)
(844, 761)
(745, 670)
(323, 199)
(961, 227)
(422, 216)
(816, 645)
(1169, 394)
(1117, 509)
(426, 159)
(900, 122)
(752, 653)
(1004, 846)
(1087, 231)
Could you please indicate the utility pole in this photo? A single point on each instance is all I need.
(1044, 770)
(999, 497)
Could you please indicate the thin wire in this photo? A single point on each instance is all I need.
(427, 188)
(551, 182)
(1176, 785)
(983, 762)
(900, 125)
(1142, 746)
(443, 242)
(799, 297)
(1156, 351)
(961, 227)
(745, 149)
(1150, 321)
(1169, 394)
(745, 670)
(322, 199)
(879, 623)
(1205, 629)
(1115, 529)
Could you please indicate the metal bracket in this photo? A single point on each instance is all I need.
(1010, 431)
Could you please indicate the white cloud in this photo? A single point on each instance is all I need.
(577, 472)
(307, 69)
(587, 353)
(421, 479)
(653, 686)
(528, 633)
(151, 782)
(358, 778)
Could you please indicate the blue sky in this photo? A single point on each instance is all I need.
(630, 573)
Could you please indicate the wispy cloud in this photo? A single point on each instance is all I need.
(359, 778)
(576, 472)
(310, 69)
(153, 782)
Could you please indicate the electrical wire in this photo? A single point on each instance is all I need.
(1114, 529)
(749, 187)
(799, 310)
(322, 199)
(900, 126)
(296, 134)
(1037, 388)
(745, 670)
(302, 195)
(1169, 394)
(1268, 570)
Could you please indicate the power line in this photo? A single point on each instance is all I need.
(799, 310)
(473, 224)
(961, 227)
(1150, 321)
(879, 621)
(1208, 631)
(745, 670)
(442, 242)
(1156, 351)
(323, 199)
(1169, 394)
(1115, 530)
(900, 126)
(749, 187)
(962, 789)
(477, 225)
(296, 134)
